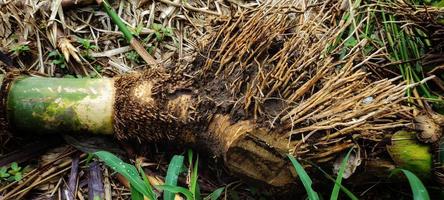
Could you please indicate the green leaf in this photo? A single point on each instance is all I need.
(135, 195)
(85, 43)
(90, 155)
(335, 192)
(351, 42)
(306, 181)
(418, 189)
(439, 4)
(4, 172)
(215, 194)
(175, 189)
(159, 36)
(15, 167)
(128, 171)
(193, 186)
(147, 183)
(58, 62)
(156, 27)
(344, 189)
(168, 32)
(18, 176)
(174, 169)
(53, 53)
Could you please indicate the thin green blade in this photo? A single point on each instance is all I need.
(335, 192)
(135, 195)
(174, 169)
(418, 189)
(215, 194)
(128, 171)
(176, 189)
(306, 181)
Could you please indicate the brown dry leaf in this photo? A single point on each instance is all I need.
(352, 164)
(68, 50)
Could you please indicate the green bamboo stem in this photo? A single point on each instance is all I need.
(137, 46)
(52, 105)
(116, 19)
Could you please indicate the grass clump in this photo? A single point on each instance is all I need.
(418, 189)
(141, 187)
(386, 31)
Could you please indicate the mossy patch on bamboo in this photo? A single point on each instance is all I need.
(48, 105)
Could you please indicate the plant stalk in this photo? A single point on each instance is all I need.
(49, 105)
(138, 47)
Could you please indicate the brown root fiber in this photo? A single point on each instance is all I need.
(154, 106)
(158, 107)
(265, 85)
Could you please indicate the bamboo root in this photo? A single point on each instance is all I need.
(152, 106)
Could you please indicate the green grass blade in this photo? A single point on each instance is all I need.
(335, 192)
(194, 176)
(418, 189)
(175, 189)
(128, 171)
(135, 195)
(215, 194)
(147, 183)
(174, 169)
(116, 19)
(306, 181)
(344, 189)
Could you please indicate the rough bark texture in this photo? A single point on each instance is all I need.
(155, 106)
(158, 107)
(250, 151)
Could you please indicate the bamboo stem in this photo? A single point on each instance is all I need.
(49, 105)
(116, 19)
(138, 47)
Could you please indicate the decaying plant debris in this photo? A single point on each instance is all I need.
(249, 83)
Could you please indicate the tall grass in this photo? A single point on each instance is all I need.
(418, 189)
(141, 187)
(402, 42)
